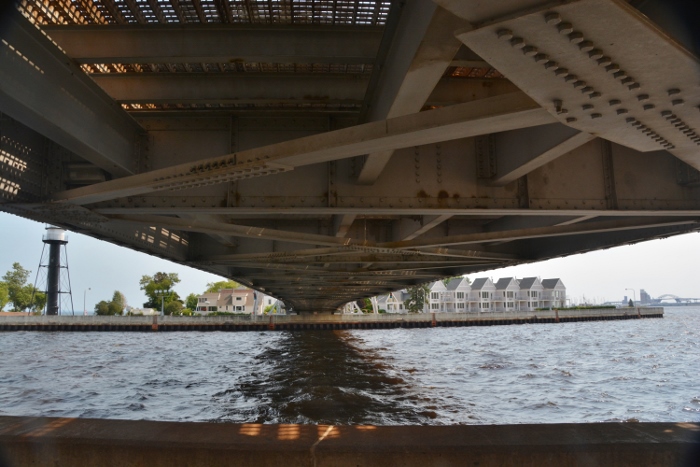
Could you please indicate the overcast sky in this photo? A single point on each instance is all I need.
(668, 266)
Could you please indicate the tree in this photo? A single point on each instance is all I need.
(4, 295)
(416, 298)
(114, 307)
(218, 286)
(119, 301)
(630, 303)
(159, 289)
(17, 292)
(191, 302)
(102, 308)
(173, 308)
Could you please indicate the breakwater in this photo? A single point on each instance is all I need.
(314, 322)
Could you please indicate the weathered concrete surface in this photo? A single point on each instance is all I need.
(120, 443)
(309, 321)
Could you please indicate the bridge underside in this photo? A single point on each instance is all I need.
(327, 151)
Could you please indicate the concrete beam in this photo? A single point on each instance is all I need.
(520, 152)
(88, 442)
(42, 89)
(222, 43)
(421, 52)
(502, 113)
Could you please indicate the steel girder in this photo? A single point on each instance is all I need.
(319, 188)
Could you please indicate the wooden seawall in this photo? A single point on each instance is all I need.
(314, 322)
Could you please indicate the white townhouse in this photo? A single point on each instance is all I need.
(509, 294)
(553, 294)
(481, 294)
(506, 296)
(530, 294)
(436, 298)
(457, 295)
(395, 302)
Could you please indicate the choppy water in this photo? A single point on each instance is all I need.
(644, 370)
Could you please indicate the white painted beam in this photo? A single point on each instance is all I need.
(496, 114)
(520, 152)
(420, 55)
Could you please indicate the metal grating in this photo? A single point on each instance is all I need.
(337, 12)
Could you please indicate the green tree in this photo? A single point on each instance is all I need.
(218, 286)
(118, 301)
(102, 308)
(39, 301)
(19, 294)
(4, 295)
(191, 302)
(630, 303)
(173, 308)
(159, 289)
(416, 298)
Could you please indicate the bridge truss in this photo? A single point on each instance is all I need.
(327, 151)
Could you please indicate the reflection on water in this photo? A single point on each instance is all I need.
(571, 372)
(320, 377)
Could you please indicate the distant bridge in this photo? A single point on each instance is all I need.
(324, 152)
(676, 298)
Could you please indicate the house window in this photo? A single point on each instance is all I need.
(509, 304)
(485, 295)
(434, 306)
(510, 294)
(238, 299)
(460, 295)
(434, 295)
(239, 308)
(202, 300)
(533, 294)
(484, 305)
(460, 305)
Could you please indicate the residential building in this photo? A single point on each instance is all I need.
(481, 295)
(506, 296)
(457, 295)
(530, 294)
(436, 298)
(553, 294)
(239, 300)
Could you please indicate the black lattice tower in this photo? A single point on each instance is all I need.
(55, 238)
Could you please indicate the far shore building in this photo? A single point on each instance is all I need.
(508, 294)
(239, 300)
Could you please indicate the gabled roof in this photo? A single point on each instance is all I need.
(437, 285)
(479, 283)
(551, 283)
(456, 282)
(528, 282)
(504, 282)
(381, 299)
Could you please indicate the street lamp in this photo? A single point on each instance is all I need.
(634, 296)
(162, 302)
(84, 298)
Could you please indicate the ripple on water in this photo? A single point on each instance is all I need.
(573, 372)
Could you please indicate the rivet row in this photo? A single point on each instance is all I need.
(651, 134)
(681, 126)
(587, 47)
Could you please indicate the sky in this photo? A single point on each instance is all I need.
(668, 266)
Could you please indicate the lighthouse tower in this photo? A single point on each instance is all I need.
(55, 238)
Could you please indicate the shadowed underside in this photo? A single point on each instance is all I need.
(327, 151)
